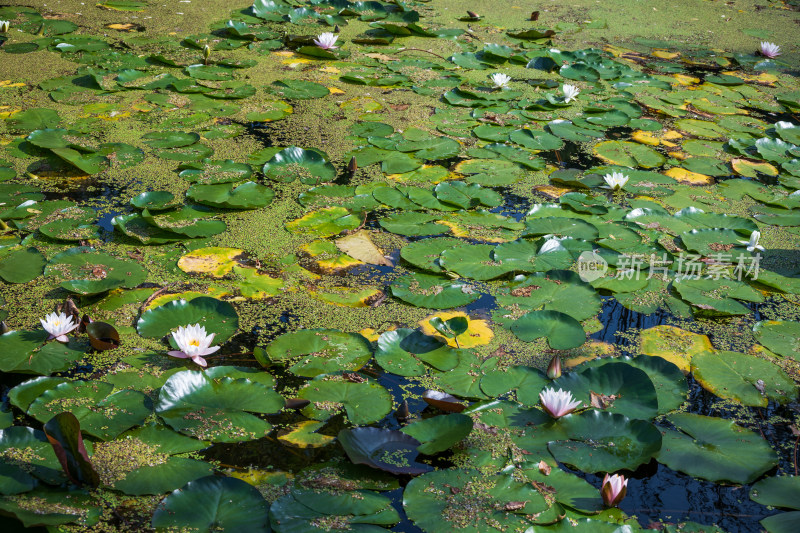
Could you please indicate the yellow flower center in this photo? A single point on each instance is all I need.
(194, 342)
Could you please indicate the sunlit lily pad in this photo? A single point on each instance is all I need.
(405, 352)
(216, 316)
(364, 400)
(312, 352)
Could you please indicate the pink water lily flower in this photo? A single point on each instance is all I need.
(58, 325)
(770, 50)
(194, 343)
(326, 41)
(614, 489)
(558, 403)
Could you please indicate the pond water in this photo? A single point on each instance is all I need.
(312, 264)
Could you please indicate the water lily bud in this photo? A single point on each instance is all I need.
(554, 369)
(352, 166)
(4, 25)
(473, 15)
(614, 489)
(206, 52)
(336, 28)
(534, 16)
(4, 328)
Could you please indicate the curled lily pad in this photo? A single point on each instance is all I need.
(615, 388)
(405, 352)
(214, 315)
(385, 449)
(154, 200)
(102, 336)
(562, 331)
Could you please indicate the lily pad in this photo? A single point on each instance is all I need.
(216, 316)
(715, 449)
(312, 352)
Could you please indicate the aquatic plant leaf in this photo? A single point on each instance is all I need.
(298, 89)
(324, 222)
(28, 352)
(562, 331)
(52, 507)
(214, 315)
(312, 352)
(86, 271)
(777, 491)
(364, 400)
(159, 478)
(214, 502)
(715, 449)
(433, 292)
(214, 261)
(405, 352)
(779, 336)
(744, 378)
(384, 449)
(439, 433)
(599, 441)
(21, 265)
(217, 408)
(64, 433)
(38, 463)
(624, 389)
(676, 345)
(476, 503)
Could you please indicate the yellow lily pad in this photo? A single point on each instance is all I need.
(751, 169)
(589, 350)
(359, 246)
(478, 331)
(551, 191)
(327, 256)
(665, 54)
(682, 175)
(9, 83)
(214, 261)
(676, 345)
(683, 79)
(302, 435)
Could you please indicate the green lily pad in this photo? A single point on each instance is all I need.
(434, 292)
(214, 315)
(21, 265)
(211, 503)
(86, 271)
(779, 336)
(562, 331)
(311, 166)
(312, 352)
(474, 503)
(364, 400)
(217, 408)
(406, 352)
(298, 89)
(715, 449)
(605, 442)
(439, 433)
(384, 449)
(741, 377)
(249, 195)
(625, 389)
(173, 473)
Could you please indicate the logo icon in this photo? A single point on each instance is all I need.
(591, 266)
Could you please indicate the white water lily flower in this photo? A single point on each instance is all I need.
(326, 41)
(770, 50)
(570, 92)
(4, 25)
(615, 181)
(558, 403)
(752, 244)
(194, 343)
(58, 325)
(500, 80)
